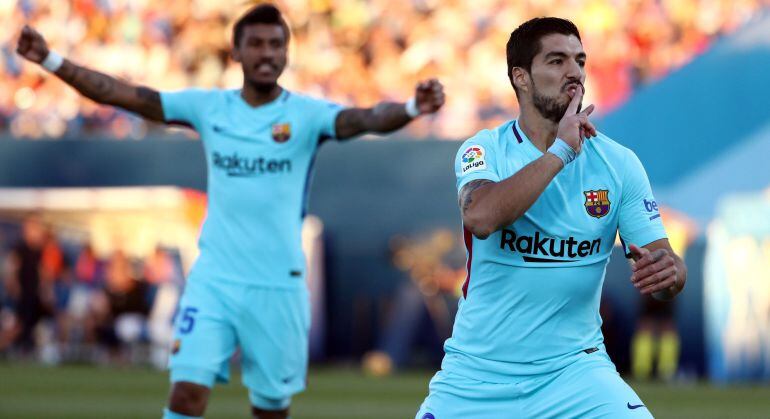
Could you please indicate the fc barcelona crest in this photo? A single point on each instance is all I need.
(281, 132)
(597, 203)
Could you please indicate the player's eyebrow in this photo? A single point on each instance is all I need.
(255, 38)
(562, 54)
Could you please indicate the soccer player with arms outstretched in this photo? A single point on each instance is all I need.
(247, 289)
(542, 199)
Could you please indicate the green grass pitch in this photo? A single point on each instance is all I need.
(34, 392)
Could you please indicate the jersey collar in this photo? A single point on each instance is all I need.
(522, 139)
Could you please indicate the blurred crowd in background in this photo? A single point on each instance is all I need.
(422, 309)
(352, 51)
(59, 301)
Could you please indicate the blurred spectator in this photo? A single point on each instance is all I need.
(655, 345)
(55, 286)
(159, 269)
(121, 307)
(164, 280)
(122, 304)
(24, 288)
(84, 288)
(52, 266)
(354, 51)
(424, 307)
(655, 339)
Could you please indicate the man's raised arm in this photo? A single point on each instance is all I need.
(94, 85)
(390, 116)
(488, 206)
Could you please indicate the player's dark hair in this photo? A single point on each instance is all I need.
(265, 14)
(524, 43)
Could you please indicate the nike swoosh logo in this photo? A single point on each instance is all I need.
(219, 129)
(634, 406)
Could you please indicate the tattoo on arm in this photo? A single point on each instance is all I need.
(388, 116)
(466, 193)
(350, 122)
(383, 118)
(147, 95)
(108, 90)
(149, 103)
(92, 84)
(103, 85)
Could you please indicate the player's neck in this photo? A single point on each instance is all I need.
(257, 97)
(540, 131)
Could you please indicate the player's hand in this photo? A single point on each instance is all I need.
(32, 45)
(653, 271)
(429, 96)
(574, 126)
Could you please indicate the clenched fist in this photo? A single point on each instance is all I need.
(32, 45)
(429, 96)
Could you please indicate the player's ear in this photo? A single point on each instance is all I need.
(520, 78)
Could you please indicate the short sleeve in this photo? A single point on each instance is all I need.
(476, 160)
(184, 107)
(326, 117)
(639, 219)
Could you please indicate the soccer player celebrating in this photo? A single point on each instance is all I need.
(247, 288)
(542, 198)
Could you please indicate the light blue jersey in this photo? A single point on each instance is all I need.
(531, 298)
(259, 162)
(247, 288)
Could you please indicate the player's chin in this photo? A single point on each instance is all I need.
(264, 80)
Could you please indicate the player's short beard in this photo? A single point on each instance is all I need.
(549, 107)
(264, 88)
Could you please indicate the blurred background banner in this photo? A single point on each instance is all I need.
(118, 202)
(703, 131)
(737, 289)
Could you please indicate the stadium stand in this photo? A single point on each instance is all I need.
(353, 51)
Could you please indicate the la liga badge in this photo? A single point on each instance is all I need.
(474, 158)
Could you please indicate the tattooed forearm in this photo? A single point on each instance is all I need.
(149, 99)
(147, 95)
(388, 116)
(350, 122)
(108, 90)
(92, 84)
(385, 117)
(103, 85)
(466, 193)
